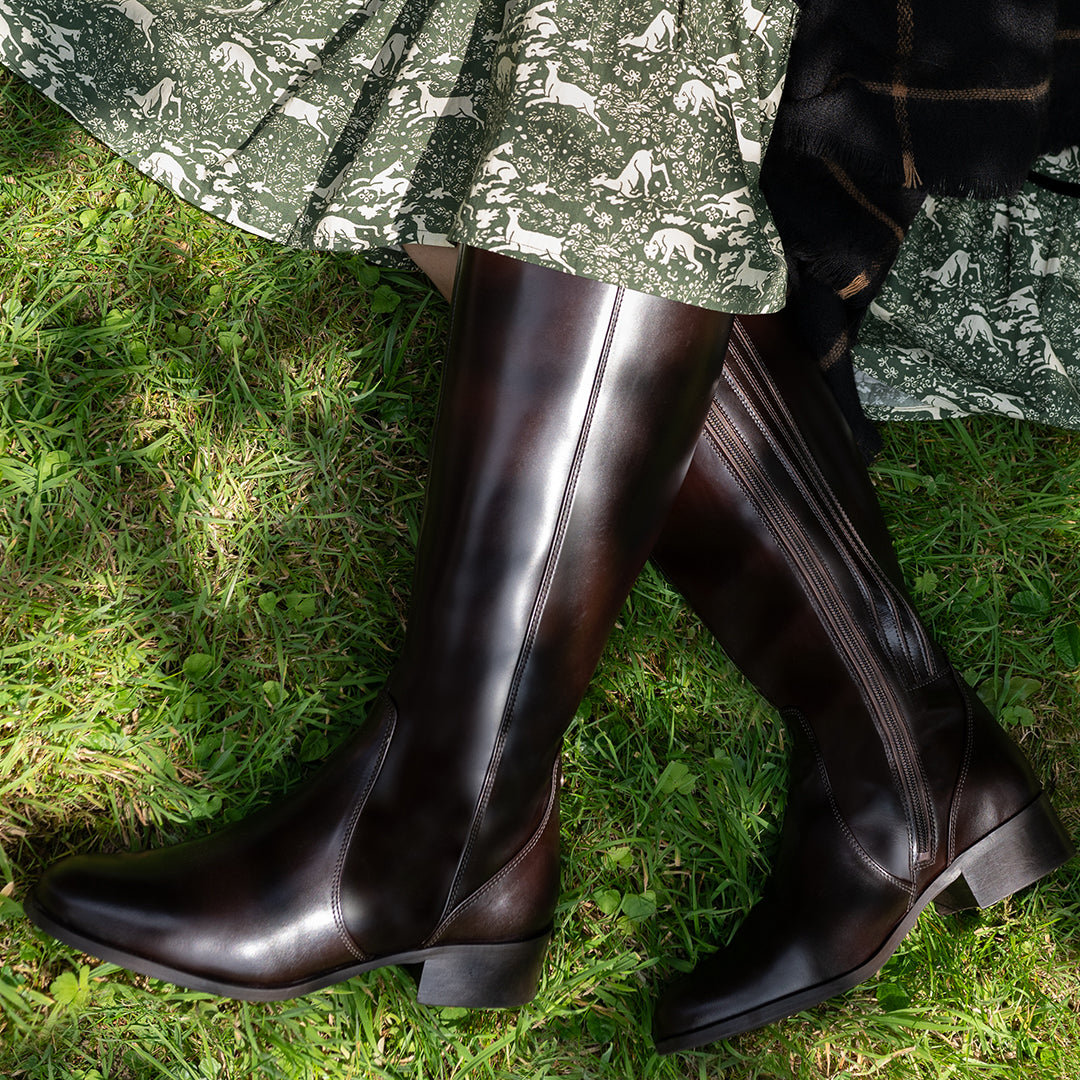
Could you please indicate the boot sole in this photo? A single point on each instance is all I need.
(485, 976)
(1016, 854)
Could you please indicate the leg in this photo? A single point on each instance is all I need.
(439, 263)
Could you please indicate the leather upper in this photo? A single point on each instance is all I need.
(777, 542)
(568, 415)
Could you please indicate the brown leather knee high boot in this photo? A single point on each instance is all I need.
(568, 415)
(903, 789)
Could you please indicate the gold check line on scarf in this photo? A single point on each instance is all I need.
(840, 348)
(855, 286)
(853, 192)
(905, 43)
(988, 93)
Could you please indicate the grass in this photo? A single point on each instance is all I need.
(212, 454)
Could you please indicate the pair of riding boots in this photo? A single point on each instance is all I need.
(581, 427)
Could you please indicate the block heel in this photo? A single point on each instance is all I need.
(483, 976)
(1018, 853)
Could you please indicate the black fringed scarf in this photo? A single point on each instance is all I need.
(886, 101)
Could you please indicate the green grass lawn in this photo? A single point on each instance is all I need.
(212, 456)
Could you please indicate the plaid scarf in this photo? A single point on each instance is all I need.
(886, 101)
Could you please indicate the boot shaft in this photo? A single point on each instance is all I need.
(902, 790)
(777, 541)
(567, 419)
(566, 423)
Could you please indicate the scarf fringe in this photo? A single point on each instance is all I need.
(902, 173)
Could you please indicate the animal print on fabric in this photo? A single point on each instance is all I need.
(619, 139)
(979, 313)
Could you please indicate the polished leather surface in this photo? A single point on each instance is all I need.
(810, 925)
(568, 415)
(897, 768)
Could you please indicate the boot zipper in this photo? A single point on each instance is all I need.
(796, 449)
(790, 534)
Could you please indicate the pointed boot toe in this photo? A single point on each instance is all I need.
(249, 912)
(139, 912)
(80, 898)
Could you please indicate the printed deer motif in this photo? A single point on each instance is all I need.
(974, 327)
(433, 105)
(160, 97)
(62, 40)
(1042, 265)
(639, 170)
(696, 95)
(142, 17)
(231, 55)
(392, 51)
(730, 206)
(664, 244)
(502, 168)
(333, 228)
(954, 269)
(658, 36)
(305, 112)
(387, 183)
(755, 21)
(425, 236)
(167, 170)
(751, 277)
(557, 92)
(535, 243)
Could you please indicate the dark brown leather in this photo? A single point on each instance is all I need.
(897, 769)
(568, 414)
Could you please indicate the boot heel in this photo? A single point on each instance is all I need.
(484, 976)
(1021, 851)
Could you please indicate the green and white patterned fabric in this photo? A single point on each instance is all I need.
(619, 139)
(981, 313)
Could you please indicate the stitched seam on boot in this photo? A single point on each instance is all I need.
(540, 603)
(965, 763)
(758, 372)
(774, 400)
(969, 749)
(842, 527)
(509, 868)
(907, 887)
(732, 455)
(729, 454)
(751, 370)
(339, 867)
(924, 683)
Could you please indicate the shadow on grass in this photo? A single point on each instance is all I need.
(34, 138)
(197, 511)
(210, 448)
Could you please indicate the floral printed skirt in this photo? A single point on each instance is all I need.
(620, 139)
(981, 313)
